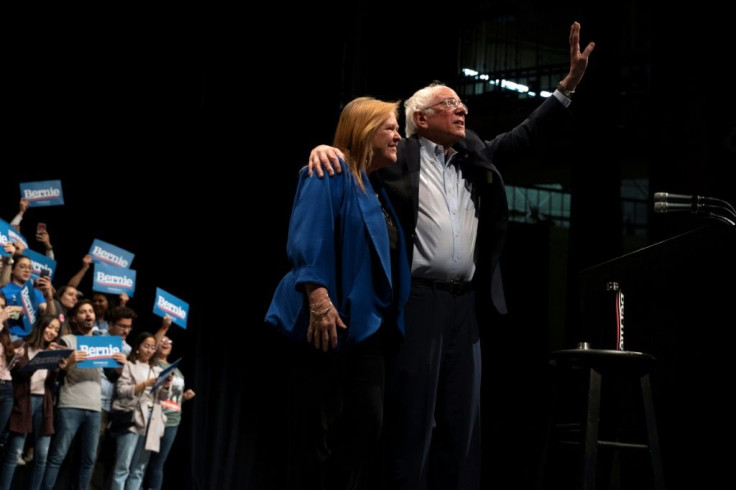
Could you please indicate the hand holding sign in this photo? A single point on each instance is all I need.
(42, 193)
(169, 305)
(9, 249)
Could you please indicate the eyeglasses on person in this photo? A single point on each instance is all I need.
(451, 103)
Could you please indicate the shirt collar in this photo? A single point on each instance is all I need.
(431, 147)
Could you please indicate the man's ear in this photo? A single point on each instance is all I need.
(420, 119)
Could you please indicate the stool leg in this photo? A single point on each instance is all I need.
(654, 453)
(549, 431)
(591, 430)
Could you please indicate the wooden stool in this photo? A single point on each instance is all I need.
(595, 364)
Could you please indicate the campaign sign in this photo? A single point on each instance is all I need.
(42, 193)
(163, 375)
(4, 236)
(99, 349)
(167, 304)
(30, 308)
(115, 280)
(16, 237)
(40, 262)
(47, 359)
(105, 253)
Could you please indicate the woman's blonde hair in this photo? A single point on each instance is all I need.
(359, 120)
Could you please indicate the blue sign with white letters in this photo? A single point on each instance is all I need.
(168, 304)
(99, 349)
(30, 308)
(42, 193)
(40, 262)
(114, 280)
(16, 237)
(108, 254)
(4, 237)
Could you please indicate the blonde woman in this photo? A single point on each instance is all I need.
(346, 289)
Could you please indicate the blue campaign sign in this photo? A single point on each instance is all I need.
(16, 237)
(30, 308)
(168, 304)
(163, 375)
(47, 359)
(105, 253)
(114, 280)
(40, 262)
(42, 193)
(99, 349)
(4, 236)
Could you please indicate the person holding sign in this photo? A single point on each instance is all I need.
(120, 324)
(134, 393)
(79, 403)
(172, 409)
(33, 411)
(343, 296)
(20, 287)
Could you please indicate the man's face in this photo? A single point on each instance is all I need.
(440, 123)
(85, 318)
(121, 327)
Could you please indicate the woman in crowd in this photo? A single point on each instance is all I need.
(134, 393)
(65, 299)
(172, 409)
(33, 409)
(6, 355)
(20, 275)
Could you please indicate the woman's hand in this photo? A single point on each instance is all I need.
(323, 329)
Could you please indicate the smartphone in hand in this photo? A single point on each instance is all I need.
(40, 227)
(44, 273)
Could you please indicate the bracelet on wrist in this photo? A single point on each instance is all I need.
(315, 306)
(321, 313)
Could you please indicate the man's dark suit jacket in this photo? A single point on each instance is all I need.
(477, 160)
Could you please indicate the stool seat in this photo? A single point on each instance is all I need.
(596, 364)
(604, 360)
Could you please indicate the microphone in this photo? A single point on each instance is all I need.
(669, 207)
(711, 207)
(669, 197)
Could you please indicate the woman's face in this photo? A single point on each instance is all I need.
(385, 143)
(164, 348)
(69, 297)
(22, 270)
(51, 332)
(146, 349)
(99, 303)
